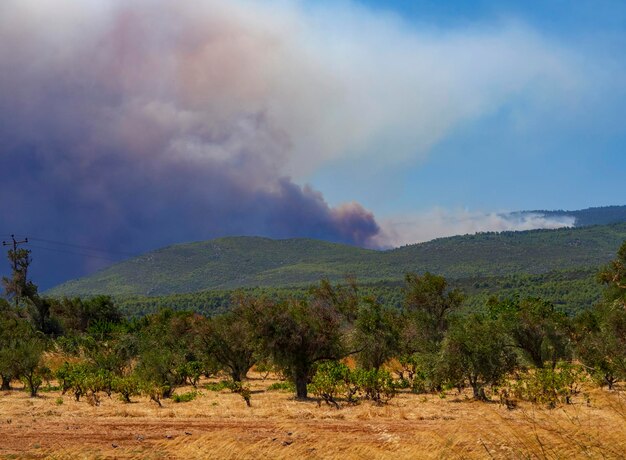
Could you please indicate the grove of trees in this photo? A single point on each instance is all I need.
(512, 348)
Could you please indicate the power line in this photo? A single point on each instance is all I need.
(88, 248)
(76, 253)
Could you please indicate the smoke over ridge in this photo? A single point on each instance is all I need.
(131, 125)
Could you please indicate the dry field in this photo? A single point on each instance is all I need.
(219, 425)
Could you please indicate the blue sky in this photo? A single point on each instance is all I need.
(128, 126)
(526, 153)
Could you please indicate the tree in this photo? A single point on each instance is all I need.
(230, 339)
(376, 334)
(21, 351)
(428, 305)
(344, 298)
(601, 333)
(18, 286)
(79, 315)
(476, 349)
(429, 301)
(297, 334)
(613, 276)
(600, 337)
(536, 327)
(166, 346)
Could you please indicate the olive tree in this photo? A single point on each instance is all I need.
(299, 333)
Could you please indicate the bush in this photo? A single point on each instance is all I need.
(154, 391)
(190, 372)
(186, 397)
(282, 386)
(550, 386)
(375, 385)
(73, 377)
(217, 386)
(242, 390)
(330, 380)
(127, 387)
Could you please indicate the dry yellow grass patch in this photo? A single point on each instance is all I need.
(220, 426)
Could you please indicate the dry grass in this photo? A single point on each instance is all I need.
(219, 425)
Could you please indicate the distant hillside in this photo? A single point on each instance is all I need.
(592, 216)
(228, 263)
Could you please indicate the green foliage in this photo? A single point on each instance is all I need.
(536, 327)
(85, 379)
(282, 386)
(334, 379)
(376, 385)
(242, 390)
(21, 352)
(231, 263)
(185, 397)
(127, 387)
(613, 277)
(330, 380)
(376, 334)
(18, 286)
(217, 386)
(154, 391)
(297, 334)
(420, 372)
(550, 386)
(167, 346)
(230, 339)
(476, 350)
(601, 342)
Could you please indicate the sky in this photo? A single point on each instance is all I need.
(130, 125)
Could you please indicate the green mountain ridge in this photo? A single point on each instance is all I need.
(244, 262)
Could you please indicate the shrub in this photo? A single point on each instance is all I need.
(190, 372)
(186, 397)
(550, 386)
(282, 386)
(330, 380)
(242, 390)
(154, 391)
(375, 385)
(127, 387)
(217, 386)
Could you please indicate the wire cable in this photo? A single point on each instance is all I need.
(77, 246)
(76, 253)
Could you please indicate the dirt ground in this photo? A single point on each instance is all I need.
(219, 425)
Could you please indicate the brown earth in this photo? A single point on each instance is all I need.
(219, 425)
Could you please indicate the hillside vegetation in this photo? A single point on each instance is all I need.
(247, 262)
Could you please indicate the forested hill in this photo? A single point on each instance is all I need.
(228, 263)
(591, 216)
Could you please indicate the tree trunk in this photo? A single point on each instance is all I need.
(236, 375)
(479, 393)
(301, 385)
(6, 383)
(477, 389)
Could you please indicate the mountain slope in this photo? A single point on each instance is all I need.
(234, 262)
(603, 215)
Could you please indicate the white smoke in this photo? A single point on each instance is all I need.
(401, 230)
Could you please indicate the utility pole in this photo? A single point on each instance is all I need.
(15, 244)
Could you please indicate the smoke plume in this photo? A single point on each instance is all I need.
(130, 125)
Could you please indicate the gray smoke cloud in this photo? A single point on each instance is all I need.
(133, 127)
(134, 124)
